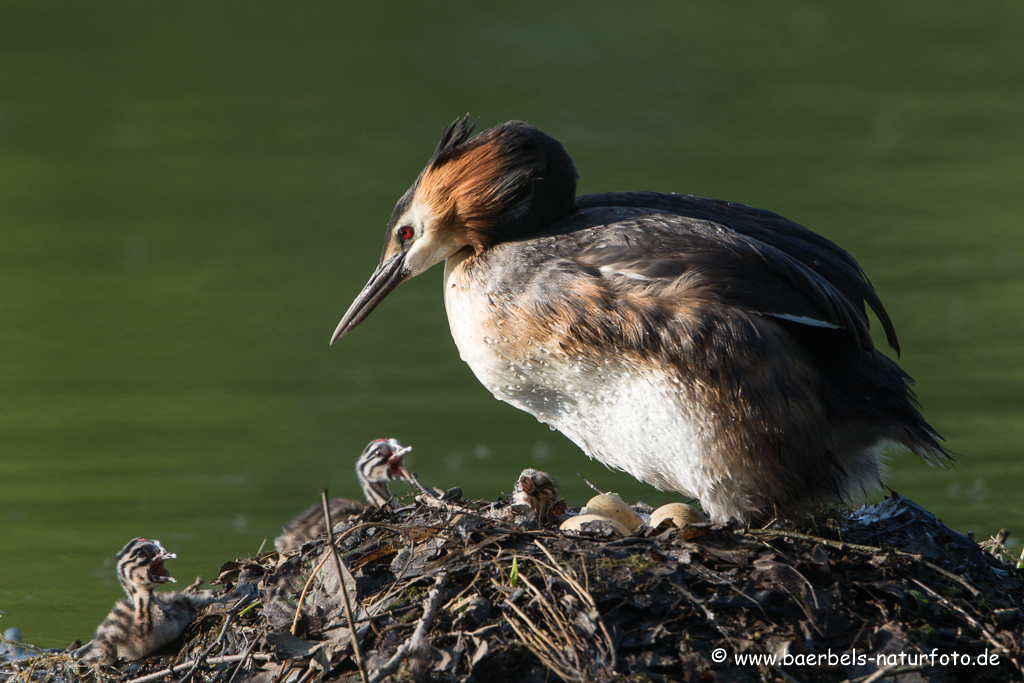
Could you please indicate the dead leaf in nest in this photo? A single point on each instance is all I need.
(372, 557)
(409, 564)
(230, 571)
(287, 646)
(444, 659)
(328, 577)
(337, 645)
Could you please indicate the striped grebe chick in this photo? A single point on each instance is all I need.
(537, 489)
(145, 621)
(380, 462)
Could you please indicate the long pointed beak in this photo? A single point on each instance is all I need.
(387, 276)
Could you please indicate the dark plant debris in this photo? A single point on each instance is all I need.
(443, 593)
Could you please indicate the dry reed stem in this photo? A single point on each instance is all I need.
(986, 633)
(245, 655)
(157, 675)
(584, 594)
(841, 545)
(552, 636)
(341, 537)
(417, 642)
(353, 631)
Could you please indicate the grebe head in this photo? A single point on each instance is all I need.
(140, 565)
(537, 489)
(382, 461)
(509, 181)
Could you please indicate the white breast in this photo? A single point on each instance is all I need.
(630, 417)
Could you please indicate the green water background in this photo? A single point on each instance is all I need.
(192, 193)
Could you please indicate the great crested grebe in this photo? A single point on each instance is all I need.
(145, 621)
(703, 346)
(380, 462)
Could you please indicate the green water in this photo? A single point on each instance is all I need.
(190, 196)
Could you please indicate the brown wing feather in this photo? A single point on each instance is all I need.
(763, 261)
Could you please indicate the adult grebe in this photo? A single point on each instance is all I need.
(704, 347)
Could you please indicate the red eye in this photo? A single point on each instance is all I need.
(404, 233)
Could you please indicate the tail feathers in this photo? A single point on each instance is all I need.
(926, 444)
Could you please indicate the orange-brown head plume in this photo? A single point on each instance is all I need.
(507, 182)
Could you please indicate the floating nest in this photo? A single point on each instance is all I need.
(446, 594)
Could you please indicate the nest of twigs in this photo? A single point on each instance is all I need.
(444, 593)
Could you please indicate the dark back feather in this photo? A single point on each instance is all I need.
(818, 268)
